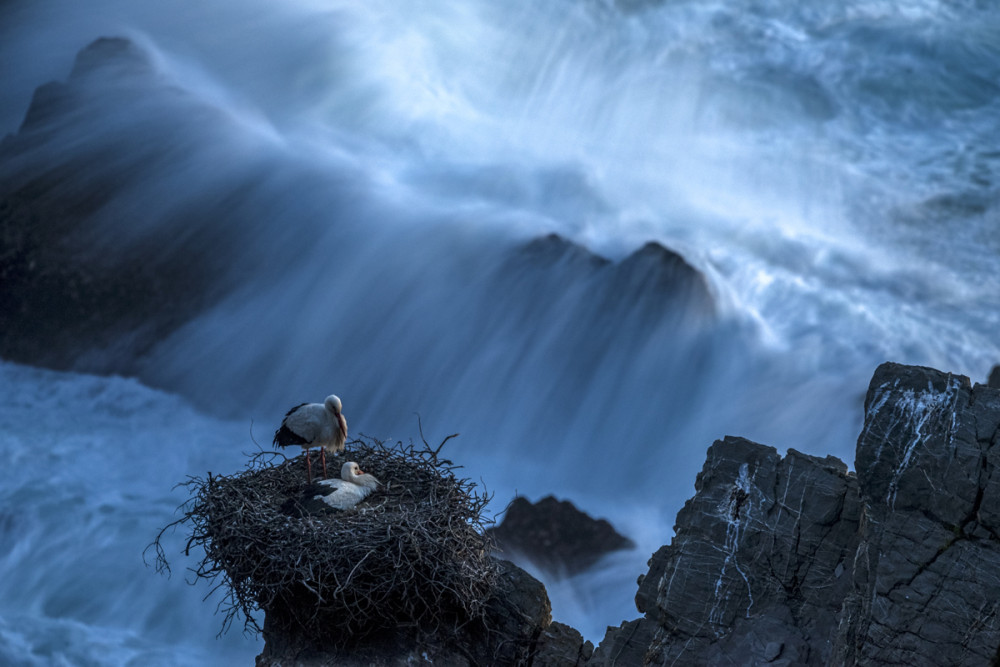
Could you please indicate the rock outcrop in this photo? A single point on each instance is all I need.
(83, 270)
(763, 555)
(555, 536)
(130, 205)
(789, 560)
(926, 580)
(795, 560)
(652, 289)
(519, 631)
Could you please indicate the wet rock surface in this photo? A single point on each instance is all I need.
(926, 582)
(653, 288)
(129, 206)
(555, 536)
(794, 560)
(762, 554)
(72, 285)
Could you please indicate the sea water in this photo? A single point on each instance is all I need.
(831, 170)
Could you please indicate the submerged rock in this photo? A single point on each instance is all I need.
(555, 536)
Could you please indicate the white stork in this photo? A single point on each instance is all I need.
(314, 425)
(353, 486)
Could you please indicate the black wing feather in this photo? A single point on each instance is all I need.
(284, 436)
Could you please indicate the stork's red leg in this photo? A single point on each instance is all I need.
(322, 456)
(309, 470)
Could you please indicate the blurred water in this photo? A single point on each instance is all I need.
(88, 476)
(363, 174)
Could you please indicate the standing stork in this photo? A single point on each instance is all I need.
(314, 425)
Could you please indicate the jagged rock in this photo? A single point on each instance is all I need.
(651, 289)
(625, 645)
(553, 249)
(116, 229)
(759, 556)
(792, 561)
(658, 280)
(518, 631)
(651, 292)
(517, 617)
(555, 536)
(98, 63)
(559, 645)
(796, 561)
(654, 279)
(926, 584)
(994, 380)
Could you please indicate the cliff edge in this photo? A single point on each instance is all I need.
(796, 561)
(776, 560)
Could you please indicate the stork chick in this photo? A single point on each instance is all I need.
(353, 486)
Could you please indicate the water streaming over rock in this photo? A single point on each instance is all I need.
(314, 196)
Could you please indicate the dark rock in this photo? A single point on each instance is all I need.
(81, 272)
(655, 274)
(518, 628)
(99, 63)
(926, 584)
(652, 291)
(790, 561)
(561, 646)
(625, 645)
(654, 278)
(130, 205)
(556, 536)
(796, 561)
(755, 559)
(994, 380)
(516, 618)
(772, 651)
(552, 249)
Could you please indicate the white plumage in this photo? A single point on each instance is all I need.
(352, 487)
(314, 425)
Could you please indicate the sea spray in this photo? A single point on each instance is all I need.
(358, 176)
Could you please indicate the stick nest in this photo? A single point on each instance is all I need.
(413, 554)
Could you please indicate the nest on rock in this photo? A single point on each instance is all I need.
(413, 554)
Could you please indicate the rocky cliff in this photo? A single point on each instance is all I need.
(794, 560)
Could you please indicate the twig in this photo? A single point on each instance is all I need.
(413, 556)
